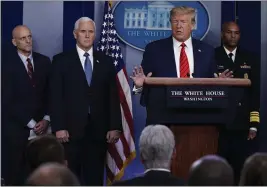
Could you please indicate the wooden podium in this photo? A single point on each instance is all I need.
(194, 109)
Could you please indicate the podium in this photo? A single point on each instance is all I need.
(194, 109)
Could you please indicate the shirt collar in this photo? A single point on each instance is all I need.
(228, 52)
(81, 51)
(188, 42)
(24, 58)
(157, 169)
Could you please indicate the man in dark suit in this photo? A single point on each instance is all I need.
(177, 56)
(85, 104)
(157, 149)
(233, 139)
(24, 102)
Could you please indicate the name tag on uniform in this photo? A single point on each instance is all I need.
(245, 66)
(220, 67)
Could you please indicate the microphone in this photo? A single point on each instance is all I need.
(188, 75)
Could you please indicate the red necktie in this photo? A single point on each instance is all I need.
(184, 65)
(30, 71)
(29, 67)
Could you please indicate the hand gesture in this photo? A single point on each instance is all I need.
(138, 76)
(226, 74)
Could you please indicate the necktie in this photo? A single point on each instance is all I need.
(88, 68)
(231, 56)
(184, 65)
(30, 68)
(30, 71)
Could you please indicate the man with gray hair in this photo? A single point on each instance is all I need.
(157, 148)
(85, 104)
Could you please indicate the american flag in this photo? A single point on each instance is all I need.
(119, 155)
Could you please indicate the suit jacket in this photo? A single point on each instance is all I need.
(22, 102)
(71, 96)
(152, 178)
(246, 65)
(159, 59)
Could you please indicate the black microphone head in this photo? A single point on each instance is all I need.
(193, 74)
(188, 75)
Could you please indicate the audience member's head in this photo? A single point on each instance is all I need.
(211, 170)
(156, 146)
(52, 174)
(254, 172)
(44, 149)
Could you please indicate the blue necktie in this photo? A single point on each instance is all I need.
(88, 71)
(88, 68)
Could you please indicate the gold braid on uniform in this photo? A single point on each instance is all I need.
(255, 117)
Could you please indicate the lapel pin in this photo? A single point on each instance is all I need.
(199, 50)
(97, 61)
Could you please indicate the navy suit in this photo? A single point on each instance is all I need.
(70, 99)
(21, 102)
(159, 59)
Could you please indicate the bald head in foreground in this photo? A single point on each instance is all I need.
(211, 170)
(52, 174)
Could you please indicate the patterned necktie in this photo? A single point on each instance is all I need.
(30, 68)
(231, 56)
(88, 68)
(184, 65)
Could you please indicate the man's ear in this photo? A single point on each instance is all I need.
(141, 158)
(74, 34)
(174, 154)
(66, 163)
(14, 42)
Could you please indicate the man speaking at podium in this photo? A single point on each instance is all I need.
(177, 56)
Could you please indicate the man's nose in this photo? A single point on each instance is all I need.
(28, 40)
(233, 35)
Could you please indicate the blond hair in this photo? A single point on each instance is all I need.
(184, 10)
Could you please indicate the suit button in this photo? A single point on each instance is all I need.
(239, 104)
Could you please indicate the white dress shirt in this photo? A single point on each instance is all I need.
(177, 51)
(233, 52)
(157, 169)
(32, 122)
(189, 53)
(82, 57)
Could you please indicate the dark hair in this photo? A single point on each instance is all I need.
(44, 149)
(52, 174)
(211, 171)
(254, 172)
